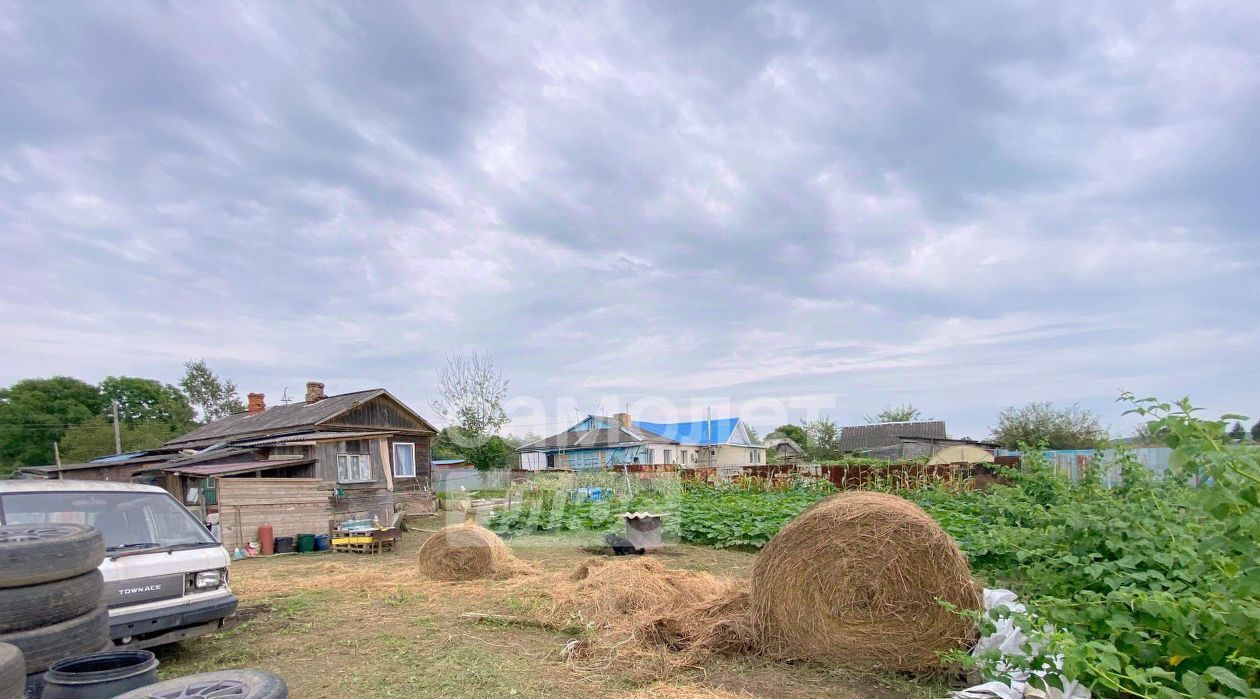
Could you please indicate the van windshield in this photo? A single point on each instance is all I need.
(128, 520)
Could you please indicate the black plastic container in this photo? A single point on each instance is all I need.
(100, 675)
(284, 544)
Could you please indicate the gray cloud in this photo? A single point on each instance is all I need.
(846, 204)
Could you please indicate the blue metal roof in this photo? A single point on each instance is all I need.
(446, 462)
(699, 432)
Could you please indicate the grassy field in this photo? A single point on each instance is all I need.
(341, 626)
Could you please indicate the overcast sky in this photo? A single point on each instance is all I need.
(803, 205)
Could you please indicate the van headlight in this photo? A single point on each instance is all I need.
(208, 579)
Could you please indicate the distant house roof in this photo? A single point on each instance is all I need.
(608, 432)
(698, 432)
(858, 438)
(595, 439)
(282, 418)
(774, 442)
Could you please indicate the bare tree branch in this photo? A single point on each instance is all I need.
(471, 393)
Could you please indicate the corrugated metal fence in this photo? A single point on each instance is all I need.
(1073, 462)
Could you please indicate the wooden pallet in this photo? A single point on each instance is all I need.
(365, 542)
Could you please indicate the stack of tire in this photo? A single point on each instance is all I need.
(51, 604)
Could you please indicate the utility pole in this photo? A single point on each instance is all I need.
(57, 454)
(117, 434)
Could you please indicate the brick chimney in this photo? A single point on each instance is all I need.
(623, 419)
(256, 404)
(314, 392)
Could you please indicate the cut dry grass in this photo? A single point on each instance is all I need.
(338, 625)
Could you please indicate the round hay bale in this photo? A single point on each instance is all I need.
(466, 552)
(856, 578)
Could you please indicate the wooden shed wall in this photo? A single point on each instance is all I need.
(291, 506)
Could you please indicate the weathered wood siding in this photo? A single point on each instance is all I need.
(424, 463)
(380, 413)
(364, 503)
(291, 506)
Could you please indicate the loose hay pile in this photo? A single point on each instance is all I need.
(647, 619)
(467, 552)
(856, 579)
(606, 592)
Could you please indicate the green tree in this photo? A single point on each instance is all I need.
(491, 453)
(515, 442)
(824, 439)
(1052, 428)
(1238, 433)
(1255, 432)
(147, 401)
(796, 433)
(34, 413)
(752, 434)
(94, 437)
(213, 397)
(446, 445)
(900, 413)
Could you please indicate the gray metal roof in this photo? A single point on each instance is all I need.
(859, 438)
(236, 467)
(598, 439)
(306, 436)
(280, 418)
(207, 455)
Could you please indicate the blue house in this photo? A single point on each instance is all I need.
(607, 442)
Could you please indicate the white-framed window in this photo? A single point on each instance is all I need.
(669, 456)
(404, 459)
(354, 468)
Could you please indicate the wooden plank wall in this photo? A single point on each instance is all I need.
(364, 503)
(379, 412)
(291, 506)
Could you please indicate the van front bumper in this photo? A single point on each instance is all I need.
(156, 627)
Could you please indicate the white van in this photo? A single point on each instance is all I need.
(166, 578)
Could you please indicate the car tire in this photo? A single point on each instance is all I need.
(23, 608)
(31, 554)
(12, 672)
(236, 684)
(46, 645)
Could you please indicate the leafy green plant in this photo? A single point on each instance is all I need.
(1150, 588)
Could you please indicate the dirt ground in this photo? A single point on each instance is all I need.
(346, 626)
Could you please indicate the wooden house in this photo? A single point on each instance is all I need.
(360, 455)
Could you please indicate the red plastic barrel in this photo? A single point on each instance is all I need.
(267, 540)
